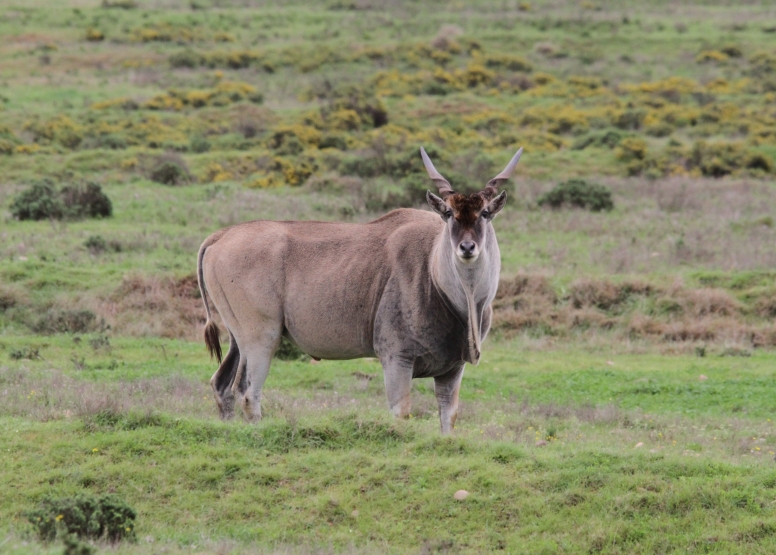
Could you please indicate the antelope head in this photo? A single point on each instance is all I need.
(468, 217)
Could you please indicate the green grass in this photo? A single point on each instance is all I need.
(578, 433)
(328, 447)
(190, 479)
(736, 386)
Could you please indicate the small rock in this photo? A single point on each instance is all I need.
(354, 514)
(541, 443)
(702, 378)
(610, 363)
(461, 494)
(314, 361)
(639, 444)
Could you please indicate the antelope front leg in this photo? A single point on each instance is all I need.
(446, 388)
(398, 382)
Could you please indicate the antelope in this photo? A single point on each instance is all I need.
(413, 288)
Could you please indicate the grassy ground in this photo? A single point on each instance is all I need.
(634, 443)
(624, 401)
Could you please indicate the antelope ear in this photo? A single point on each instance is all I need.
(497, 203)
(437, 204)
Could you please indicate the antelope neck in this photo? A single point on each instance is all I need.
(468, 287)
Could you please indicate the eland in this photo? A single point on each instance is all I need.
(413, 288)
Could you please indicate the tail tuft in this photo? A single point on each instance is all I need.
(212, 340)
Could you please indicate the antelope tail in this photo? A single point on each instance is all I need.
(211, 329)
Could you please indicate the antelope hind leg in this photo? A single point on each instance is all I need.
(446, 388)
(250, 382)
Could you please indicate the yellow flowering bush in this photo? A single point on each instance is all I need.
(711, 56)
(94, 35)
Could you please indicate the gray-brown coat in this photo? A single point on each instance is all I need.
(411, 288)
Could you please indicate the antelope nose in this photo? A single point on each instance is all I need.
(467, 248)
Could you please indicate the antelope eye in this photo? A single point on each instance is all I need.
(449, 214)
(485, 214)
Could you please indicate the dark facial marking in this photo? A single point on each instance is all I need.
(467, 208)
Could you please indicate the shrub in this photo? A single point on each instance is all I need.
(762, 64)
(85, 516)
(186, 58)
(39, 202)
(475, 75)
(58, 130)
(8, 140)
(334, 140)
(87, 201)
(578, 193)
(759, 161)
(359, 99)
(293, 139)
(630, 119)
(96, 244)
(720, 159)
(711, 56)
(289, 351)
(436, 88)
(94, 35)
(30, 353)
(602, 139)
(43, 201)
(65, 321)
(199, 144)
(120, 4)
(74, 546)
(659, 130)
(170, 169)
(6, 146)
(506, 61)
(223, 94)
(632, 148)
(732, 50)
(113, 141)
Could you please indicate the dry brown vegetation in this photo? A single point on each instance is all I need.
(633, 309)
(155, 306)
(528, 303)
(681, 236)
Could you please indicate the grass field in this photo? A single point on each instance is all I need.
(634, 443)
(624, 403)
